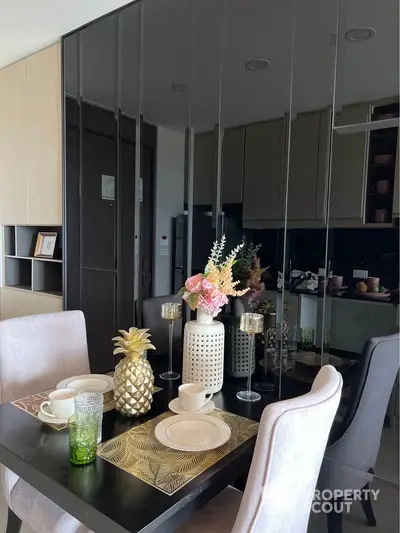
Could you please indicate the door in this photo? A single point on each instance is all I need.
(263, 171)
(349, 166)
(98, 247)
(100, 215)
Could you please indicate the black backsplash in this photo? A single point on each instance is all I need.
(372, 249)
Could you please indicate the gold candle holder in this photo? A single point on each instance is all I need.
(170, 311)
(252, 324)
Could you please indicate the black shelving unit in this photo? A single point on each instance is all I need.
(381, 167)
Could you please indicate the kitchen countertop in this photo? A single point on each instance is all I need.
(346, 296)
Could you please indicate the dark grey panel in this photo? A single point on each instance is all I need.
(98, 305)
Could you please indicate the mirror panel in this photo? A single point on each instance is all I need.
(362, 304)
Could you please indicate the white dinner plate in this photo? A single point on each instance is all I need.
(175, 407)
(88, 383)
(192, 432)
(51, 419)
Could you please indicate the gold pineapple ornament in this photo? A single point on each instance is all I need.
(133, 377)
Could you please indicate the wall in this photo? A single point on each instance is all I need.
(169, 196)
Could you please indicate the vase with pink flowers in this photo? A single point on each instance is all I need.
(203, 346)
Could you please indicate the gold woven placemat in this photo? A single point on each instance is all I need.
(31, 404)
(139, 453)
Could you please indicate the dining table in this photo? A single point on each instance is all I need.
(105, 497)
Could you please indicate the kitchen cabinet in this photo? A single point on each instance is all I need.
(309, 138)
(396, 193)
(232, 165)
(263, 172)
(30, 140)
(349, 166)
(204, 168)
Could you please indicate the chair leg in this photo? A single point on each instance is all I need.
(367, 508)
(13, 522)
(334, 518)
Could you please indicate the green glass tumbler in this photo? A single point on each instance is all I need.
(83, 440)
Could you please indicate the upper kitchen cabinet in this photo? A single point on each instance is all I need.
(232, 165)
(308, 166)
(204, 168)
(263, 173)
(30, 140)
(349, 166)
(13, 140)
(44, 181)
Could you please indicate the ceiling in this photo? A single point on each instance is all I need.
(30, 25)
(206, 46)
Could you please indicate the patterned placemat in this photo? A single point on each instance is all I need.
(31, 404)
(139, 453)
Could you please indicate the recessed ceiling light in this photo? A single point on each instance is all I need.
(179, 86)
(257, 64)
(360, 34)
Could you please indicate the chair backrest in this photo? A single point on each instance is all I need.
(151, 319)
(38, 351)
(290, 446)
(355, 451)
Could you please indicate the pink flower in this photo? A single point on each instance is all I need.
(211, 301)
(207, 284)
(195, 283)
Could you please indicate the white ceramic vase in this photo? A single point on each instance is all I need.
(203, 352)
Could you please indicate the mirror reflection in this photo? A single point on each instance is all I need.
(275, 125)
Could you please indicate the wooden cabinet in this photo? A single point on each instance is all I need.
(14, 302)
(349, 166)
(308, 166)
(232, 166)
(263, 171)
(204, 168)
(30, 140)
(43, 123)
(13, 143)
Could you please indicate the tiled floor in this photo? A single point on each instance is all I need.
(386, 508)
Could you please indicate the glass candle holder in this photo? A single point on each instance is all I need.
(83, 440)
(170, 311)
(88, 404)
(250, 323)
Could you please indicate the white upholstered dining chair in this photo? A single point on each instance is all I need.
(287, 458)
(36, 352)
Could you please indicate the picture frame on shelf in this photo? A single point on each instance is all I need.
(46, 244)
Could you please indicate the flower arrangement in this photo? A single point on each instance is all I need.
(209, 291)
(249, 271)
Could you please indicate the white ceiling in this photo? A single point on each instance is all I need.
(30, 25)
(196, 42)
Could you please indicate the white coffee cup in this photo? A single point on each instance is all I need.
(192, 396)
(60, 404)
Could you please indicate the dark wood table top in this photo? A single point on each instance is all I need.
(104, 497)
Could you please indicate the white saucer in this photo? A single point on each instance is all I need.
(192, 432)
(175, 407)
(51, 419)
(88, 383)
